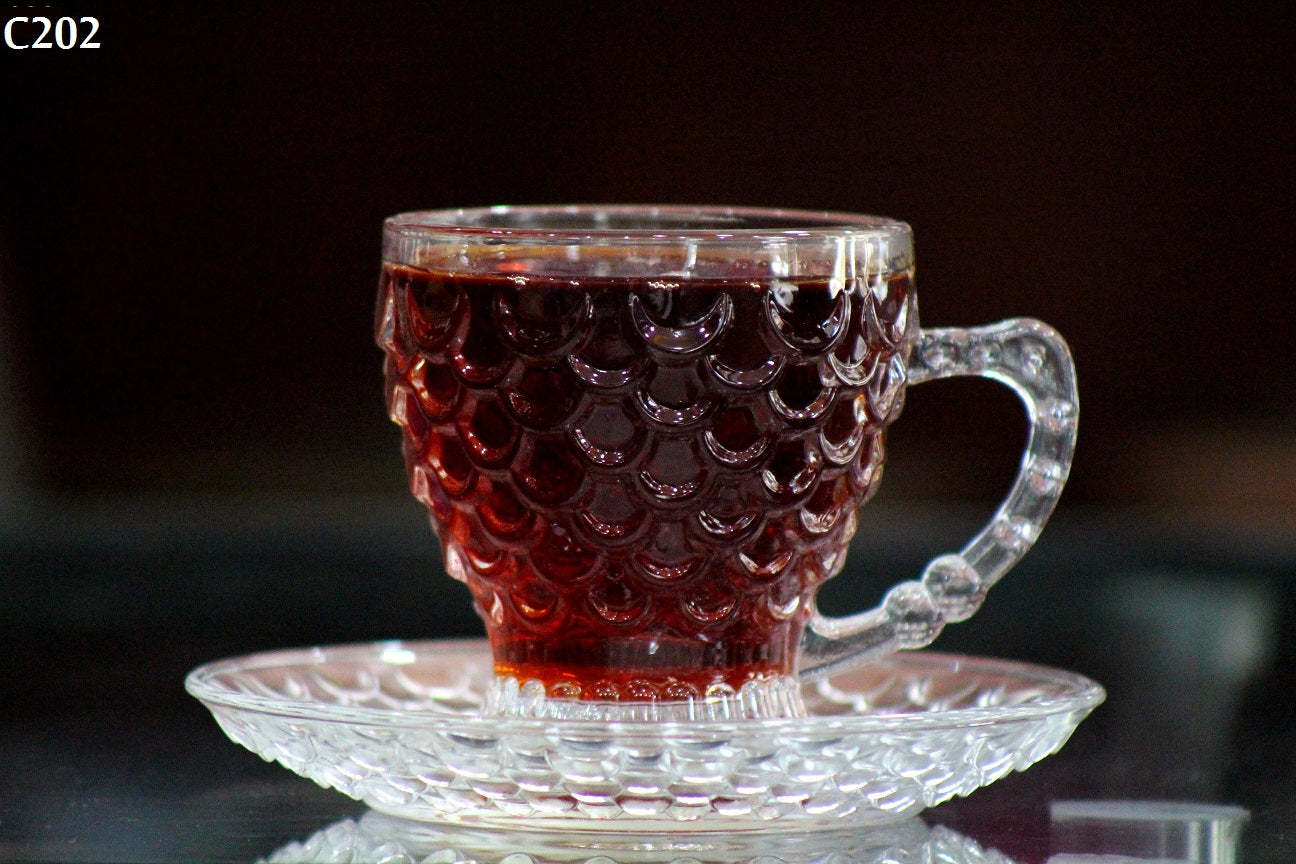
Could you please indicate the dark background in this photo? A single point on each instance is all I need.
(194, 455)
(190, 214)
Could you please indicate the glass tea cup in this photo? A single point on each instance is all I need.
(643, 435)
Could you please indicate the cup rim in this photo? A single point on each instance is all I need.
(645, 223)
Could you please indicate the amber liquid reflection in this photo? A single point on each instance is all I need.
(642, 482)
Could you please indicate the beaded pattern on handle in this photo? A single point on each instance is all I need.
(1033, 360)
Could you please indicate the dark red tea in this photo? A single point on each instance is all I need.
(643, 482)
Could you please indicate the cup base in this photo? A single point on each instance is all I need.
(764, 699)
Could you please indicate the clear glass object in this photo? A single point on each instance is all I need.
(400, 726)
(1166, 832)
(643, 435)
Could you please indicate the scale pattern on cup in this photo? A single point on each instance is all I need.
(639, 462)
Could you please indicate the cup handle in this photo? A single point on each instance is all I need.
(1031, 358)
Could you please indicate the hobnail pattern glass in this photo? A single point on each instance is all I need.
(379, 837)
(653, 427)
(399, 726)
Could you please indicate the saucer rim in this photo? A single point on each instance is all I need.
(1075, 693)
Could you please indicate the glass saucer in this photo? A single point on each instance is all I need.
(380, 837)
(399, 726)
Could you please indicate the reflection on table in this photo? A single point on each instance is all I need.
(378, 837)
(1082, 832)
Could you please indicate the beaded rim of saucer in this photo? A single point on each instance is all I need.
(399, 725)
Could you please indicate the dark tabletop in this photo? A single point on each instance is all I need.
(103, 757)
